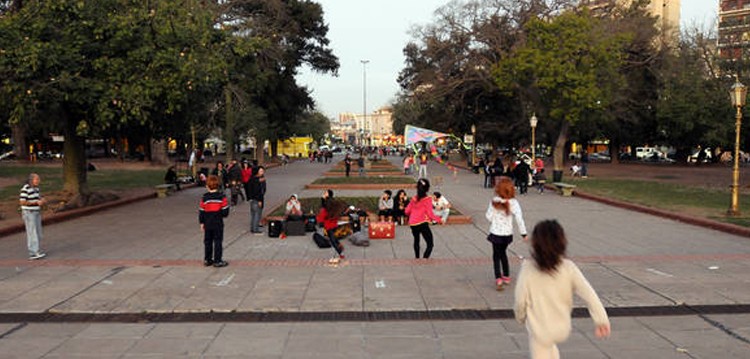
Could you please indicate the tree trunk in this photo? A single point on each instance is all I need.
(229, 131)
(20, 147)
(159, 152)
(614, 151)
(74, 162)
(559, 151)
(259, 144)
(274, 148)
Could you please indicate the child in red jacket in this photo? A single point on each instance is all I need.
(420, 215)
(213, 208)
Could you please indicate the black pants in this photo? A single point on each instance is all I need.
(424, 230)
(334, 241)
(212, 244)
(348, 169)
(500, 255)
(487, 181)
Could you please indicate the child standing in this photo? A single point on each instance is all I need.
(544, 293)
(420, 214)
(213, 208)
(503, 209)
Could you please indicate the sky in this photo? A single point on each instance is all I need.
(377, 31)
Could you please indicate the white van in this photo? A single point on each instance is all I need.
(645, 152)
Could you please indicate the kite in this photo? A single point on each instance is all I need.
(414, 134)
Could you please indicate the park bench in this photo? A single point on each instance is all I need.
(164, 190)
(565, 189)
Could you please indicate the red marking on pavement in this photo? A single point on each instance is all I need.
(321, 262)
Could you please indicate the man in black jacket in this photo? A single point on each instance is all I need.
(257, 192)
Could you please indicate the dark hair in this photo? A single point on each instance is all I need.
(335, 208)
(423, 186)
(389, 193)
(548, 244)
(437, 194)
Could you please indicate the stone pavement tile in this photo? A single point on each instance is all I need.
(426, 346)
(391, 288)
(115, 331)
(334, 289)
(46, 330)
(184, 331)
(54, 291)
(222, 291)
(27, 279)
(324, 344)
(460, 328)
(251, 339)
(482, 279)
(420, 329)
(733, 321)
(278, 289)
(335, 329)
(166, 291)
(107, 294)
(171, 346)
(28, 347)
(683, 322)
(96, 347)
(481, 345)
(445, 288)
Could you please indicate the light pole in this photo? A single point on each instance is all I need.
(473, 145)
(738, 94)
(533, 121)
(364, 93)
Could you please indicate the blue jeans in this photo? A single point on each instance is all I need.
(33, 221)
(255, 212)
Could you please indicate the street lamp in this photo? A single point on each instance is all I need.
(738, 94)
(473, 145)
(364, 92)
(533, 121)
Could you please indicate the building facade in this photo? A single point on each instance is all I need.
(734, 28)
(668, 12)
(370, 130)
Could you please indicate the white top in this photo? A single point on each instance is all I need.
(545, 301)
(501, 224)
(385, 204)
(441, 204)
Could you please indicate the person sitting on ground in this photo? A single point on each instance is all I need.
(399, 206)
(171, 177)
(293, 211)
(575, 170)
(441, 206)
(385, 206)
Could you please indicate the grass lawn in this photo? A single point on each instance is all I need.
(364, 180)
(370, 204)
(378, 170)
(697, 201)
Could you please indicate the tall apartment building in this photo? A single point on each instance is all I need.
(668, 12)
(734, 28)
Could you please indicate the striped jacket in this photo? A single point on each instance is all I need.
(32, 196)
(213, 208)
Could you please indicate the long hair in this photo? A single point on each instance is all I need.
(548, 244)
(334, 208)
(423, 186)
(505, 190)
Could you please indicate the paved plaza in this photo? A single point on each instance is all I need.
(128, 282)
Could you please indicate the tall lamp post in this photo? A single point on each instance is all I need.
(364, 93)
(473, 145)
(533, 122)
(738, 94)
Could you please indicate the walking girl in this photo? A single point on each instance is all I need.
(420, 215)
(544, 293)
(503, 209)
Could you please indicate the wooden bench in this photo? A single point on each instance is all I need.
(164, 190)
(565, 189)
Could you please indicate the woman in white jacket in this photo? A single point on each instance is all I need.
(503, 209)
(544, 293)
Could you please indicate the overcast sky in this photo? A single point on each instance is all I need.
(378, 31)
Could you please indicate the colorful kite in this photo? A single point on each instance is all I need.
(414, 134)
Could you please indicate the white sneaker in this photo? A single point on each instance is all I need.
(38, 255)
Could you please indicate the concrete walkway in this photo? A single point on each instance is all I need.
(146, 258)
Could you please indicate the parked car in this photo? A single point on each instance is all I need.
(600, 157)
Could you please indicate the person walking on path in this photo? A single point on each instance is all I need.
(503, 209)
(213, 209)
(256, 195)
(422, 165)
(521, 173)
(361, 165)
(544, 293)
(347, 164)
(420, 214)
(31, 202)
(221, 172)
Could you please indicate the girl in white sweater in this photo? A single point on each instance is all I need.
(503, 209)
(544, 293)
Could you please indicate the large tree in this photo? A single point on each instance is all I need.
(572, 63)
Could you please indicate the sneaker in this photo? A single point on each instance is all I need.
(38, 255)
(506, 280)
(499, 284)
(220, 264)
(208, 263)
(341, 256)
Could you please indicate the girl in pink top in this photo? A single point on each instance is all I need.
(420, 215)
